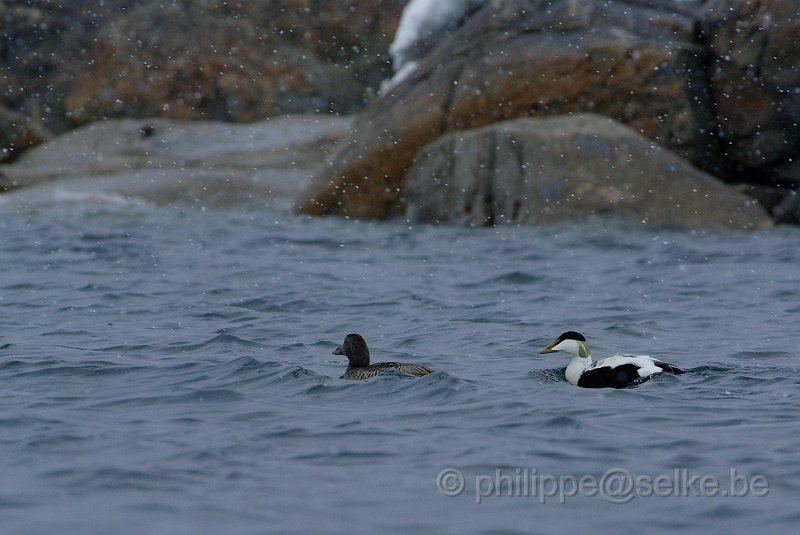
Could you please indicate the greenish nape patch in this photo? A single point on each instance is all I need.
(583, 349)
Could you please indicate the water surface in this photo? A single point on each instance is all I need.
(169, 370)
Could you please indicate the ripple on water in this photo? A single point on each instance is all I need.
(552, 375)
(61, 368)
(223, 340)
(393, 388)
(512, 278)
(116, 478)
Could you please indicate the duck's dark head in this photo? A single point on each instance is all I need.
(355, 349)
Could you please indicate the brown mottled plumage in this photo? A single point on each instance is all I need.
(359, 368)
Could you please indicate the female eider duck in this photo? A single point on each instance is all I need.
(617, 371)
(359, 368)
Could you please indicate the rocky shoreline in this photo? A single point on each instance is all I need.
(715, 82)
(705, 93)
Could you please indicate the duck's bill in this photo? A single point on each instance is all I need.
(338, 351)
(548, 348)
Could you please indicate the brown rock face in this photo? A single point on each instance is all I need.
(535, 171)
(755, 75)
(69, 63)
(525, 58)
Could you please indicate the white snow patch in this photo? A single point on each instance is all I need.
(422, 25)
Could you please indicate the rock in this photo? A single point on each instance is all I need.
(782, 203)
(164, 161)
(17, 133)
(779, 188)
(70, 63)
(755, 74)
(423, 24)
(636, 62)
(788, 209)
(537, 171)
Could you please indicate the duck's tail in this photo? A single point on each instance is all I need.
(669, 368)
(417, 370)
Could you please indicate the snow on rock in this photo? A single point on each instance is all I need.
(422, 25)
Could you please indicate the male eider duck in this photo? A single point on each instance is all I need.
(359, 368)
(617, 371)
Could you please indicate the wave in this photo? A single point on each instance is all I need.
(224, 340)
(62, 368)
(515, 278)
(117, 478)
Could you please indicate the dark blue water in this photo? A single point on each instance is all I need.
(169, 371)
